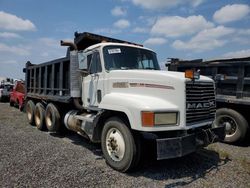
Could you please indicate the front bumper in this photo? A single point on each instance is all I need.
(179, 146)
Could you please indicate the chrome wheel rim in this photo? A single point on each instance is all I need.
(29, 112)
(230, 125)
(115, 144)
(37, 117)
(49, 119)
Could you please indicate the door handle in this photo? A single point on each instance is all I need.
(99, 95)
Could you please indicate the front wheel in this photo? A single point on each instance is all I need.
(119, 147)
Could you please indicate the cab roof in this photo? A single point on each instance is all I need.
(103, 44)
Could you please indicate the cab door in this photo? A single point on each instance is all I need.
(93, 82)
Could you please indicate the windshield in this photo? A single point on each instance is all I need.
(124, 57)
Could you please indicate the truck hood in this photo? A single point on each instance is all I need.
(164, 85)
(134, 91)
(153, 76)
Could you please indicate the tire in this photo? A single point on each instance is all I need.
(11, 103)
(30, 110)
(235, 124)
(17, 103)
(120, 149)
(52, 118)
(39, 116)
(21, 107)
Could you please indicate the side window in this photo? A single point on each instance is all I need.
(95, 66)
(89, 57)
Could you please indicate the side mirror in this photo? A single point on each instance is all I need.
(83, 66)
(82, 60)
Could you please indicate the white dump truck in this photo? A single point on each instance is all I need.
(114, 93)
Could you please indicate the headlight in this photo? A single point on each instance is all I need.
(166, 118)
(150, 119)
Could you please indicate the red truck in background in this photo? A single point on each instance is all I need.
(17, 95)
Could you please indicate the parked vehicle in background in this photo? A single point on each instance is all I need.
(5, 89)
(17, 95)
(232, 78)
(113, 92)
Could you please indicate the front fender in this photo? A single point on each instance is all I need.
(132, 105)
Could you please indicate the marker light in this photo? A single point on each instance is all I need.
(147, 119)
(192, 74)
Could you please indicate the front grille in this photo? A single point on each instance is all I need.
(200, 102)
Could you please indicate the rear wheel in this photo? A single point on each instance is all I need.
(30, 109)
(120, 149)
(235, 124)
(40, 116)
(52, 118)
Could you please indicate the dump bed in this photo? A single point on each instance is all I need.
(51, 80)
(232, 76)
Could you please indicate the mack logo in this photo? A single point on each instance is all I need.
(197, 105)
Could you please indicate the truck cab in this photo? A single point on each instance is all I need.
(104, 61)
(127, 78)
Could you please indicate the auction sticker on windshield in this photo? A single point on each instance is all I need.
(114, 51)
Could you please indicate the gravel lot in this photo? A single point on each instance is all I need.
(31, 158)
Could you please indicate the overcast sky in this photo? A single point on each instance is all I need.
(188, 29)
